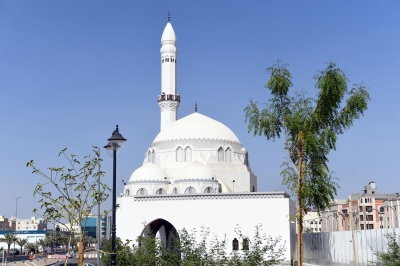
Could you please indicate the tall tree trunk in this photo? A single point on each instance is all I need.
(80, 253)
(300, 199)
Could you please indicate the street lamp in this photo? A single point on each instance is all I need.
(16, 215)
(233, 183)
(114, 145)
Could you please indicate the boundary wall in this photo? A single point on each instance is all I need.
(336, 248)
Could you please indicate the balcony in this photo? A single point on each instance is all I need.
(169, 97)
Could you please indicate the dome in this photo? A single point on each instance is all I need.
(148, 173)
(196, 126)
(168, 34)
(195, 171)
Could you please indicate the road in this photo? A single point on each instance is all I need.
(92, 261)
(23, 257)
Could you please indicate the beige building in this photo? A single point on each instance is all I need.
(6, 224)
(32, 224)
(391, 213)
(311, 222)
(367, 209)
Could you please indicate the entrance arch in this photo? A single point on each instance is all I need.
(168, 233)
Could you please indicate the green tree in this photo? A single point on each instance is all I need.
(30, 247)
(124, 253)
(69, 193)
(42, 243)
(21, 243)
(310, 128)
(8, 239)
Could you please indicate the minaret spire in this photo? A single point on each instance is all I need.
(169, 99)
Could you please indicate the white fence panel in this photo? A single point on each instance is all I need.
(336, 248)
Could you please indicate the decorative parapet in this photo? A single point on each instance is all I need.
(214, 196)
(169, 97)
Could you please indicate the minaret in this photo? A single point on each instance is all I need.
(169, 98)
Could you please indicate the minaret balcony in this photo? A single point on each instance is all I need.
(169, 97)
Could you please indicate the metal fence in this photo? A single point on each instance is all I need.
(336, 248)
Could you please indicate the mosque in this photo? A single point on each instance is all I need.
(195, 174)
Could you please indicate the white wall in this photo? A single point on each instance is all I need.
(221, 213)
(31, 236)
(336, 248)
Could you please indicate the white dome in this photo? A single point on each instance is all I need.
(195, 171)
(168, 34)
(148, 173)
(196, 126)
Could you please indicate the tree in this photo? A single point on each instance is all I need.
(69, 193)
(8, 239)
(42, 242)
(31, 247)
(21, 242)
(124, 253)
(310, 128)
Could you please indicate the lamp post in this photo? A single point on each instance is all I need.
(16, 215)
(233, 183)
(114, 145)
(98, 212)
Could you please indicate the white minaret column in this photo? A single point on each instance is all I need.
(169, 98)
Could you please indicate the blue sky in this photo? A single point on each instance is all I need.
(71, 70)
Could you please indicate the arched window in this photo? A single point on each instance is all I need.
(220, 154)
(188, 154)
(162, 61)
(235, 244)
(245, 244)
(166, 59)
(228, 155)
(149, 157)
(141, 192)
(208, 190)
(219, 188)
(179, 154)
(175, 191)
(153, 157)
(127, 192)
(254, 189)
(161, 191)
(190, 190)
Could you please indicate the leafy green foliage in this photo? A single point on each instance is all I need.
(21, 243)
(186, 251)
(310, 127)
(392, 256)
(69, 193)
(8, 239)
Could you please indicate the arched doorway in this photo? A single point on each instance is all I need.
(167, 232)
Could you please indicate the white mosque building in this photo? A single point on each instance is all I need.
(195, 174)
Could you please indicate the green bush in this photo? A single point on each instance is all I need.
(186, 251)
(392, 256)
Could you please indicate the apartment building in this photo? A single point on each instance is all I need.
(366, 207)
(6, 224)
(391, 213)
(32, 224)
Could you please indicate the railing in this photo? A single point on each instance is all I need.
(169, 97)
